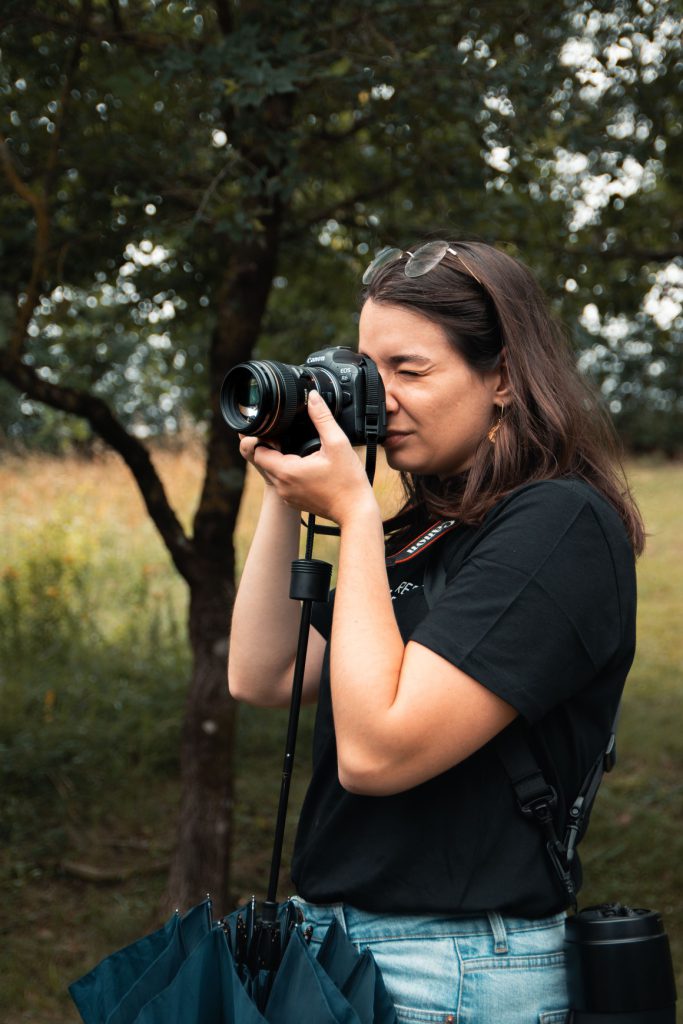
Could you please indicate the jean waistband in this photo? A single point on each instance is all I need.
(364, 925)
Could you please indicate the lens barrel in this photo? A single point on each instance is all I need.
(261, 397)
(619, 967)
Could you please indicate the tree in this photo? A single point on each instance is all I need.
(188, 184)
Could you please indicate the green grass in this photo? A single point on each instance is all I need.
(634, 849)
(93, 670)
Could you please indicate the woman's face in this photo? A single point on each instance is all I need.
(438, 408)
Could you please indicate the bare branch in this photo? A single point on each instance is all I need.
(131, 450)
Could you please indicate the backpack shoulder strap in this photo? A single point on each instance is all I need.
(535, 797)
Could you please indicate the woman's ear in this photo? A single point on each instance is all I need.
(503, 391)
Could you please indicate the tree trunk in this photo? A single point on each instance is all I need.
(201, 863)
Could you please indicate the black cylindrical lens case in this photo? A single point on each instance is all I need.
(619, 967)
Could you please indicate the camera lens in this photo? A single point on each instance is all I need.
(248, 398)
(260, 397)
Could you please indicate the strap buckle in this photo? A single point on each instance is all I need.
(541, 805)
(541, 808)
(372, 422)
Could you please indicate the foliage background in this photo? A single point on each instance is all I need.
(150, 145)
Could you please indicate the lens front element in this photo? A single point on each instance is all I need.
(248, 398)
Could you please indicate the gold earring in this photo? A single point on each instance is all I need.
(496, 427)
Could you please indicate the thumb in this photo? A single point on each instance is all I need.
(322, 417)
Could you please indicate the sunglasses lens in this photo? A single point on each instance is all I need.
(426, 258)
(382, 259)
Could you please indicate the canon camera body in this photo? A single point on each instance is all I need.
(268, 399)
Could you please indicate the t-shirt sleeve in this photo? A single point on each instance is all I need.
(533, 613)
(321, 616)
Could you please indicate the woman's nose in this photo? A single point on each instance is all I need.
(389, 397)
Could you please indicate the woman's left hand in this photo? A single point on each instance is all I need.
(331, 482)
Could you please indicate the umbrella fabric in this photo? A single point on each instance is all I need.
(186, 974)
(120, 985)
(206, 990)
(358, 977)
(302, 989)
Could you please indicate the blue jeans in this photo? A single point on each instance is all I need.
(477, 970)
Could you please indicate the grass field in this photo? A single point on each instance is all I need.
(93, 669)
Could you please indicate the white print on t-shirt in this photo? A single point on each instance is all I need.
(404, 588)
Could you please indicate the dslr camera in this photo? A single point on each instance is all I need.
(268, 399)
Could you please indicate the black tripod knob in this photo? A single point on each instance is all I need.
(310, 580)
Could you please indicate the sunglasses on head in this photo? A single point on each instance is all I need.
(418, 263)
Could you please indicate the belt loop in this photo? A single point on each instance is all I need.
(500, 938)
(338, 911)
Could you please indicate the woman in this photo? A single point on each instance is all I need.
(410, 834)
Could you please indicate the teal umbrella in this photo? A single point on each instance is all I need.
(187, 973)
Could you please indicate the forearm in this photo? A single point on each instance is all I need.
(265, 619)
(367, 649)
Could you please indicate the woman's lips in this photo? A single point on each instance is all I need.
(395, 437)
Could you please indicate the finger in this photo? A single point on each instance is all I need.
(322, 418)
(247, 447)
(266, 458)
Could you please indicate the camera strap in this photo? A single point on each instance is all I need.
(422, 542)
(374, 416)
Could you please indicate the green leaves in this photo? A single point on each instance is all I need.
(310, 134)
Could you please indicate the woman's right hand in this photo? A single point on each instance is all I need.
(248, 446)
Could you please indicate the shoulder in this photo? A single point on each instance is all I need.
(556, 516)
(563, 494)
(555, 502)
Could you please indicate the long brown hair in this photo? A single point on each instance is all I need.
(490, 306)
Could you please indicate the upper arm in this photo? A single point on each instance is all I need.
(440, 716)
(535, 614)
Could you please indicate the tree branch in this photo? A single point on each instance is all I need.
(40, 201)
(335, 209)
(69, 72)
(39, 205)
(225, 16)
(116, 15)
(106, 426)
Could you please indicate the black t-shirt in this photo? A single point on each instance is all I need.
(541, 611)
